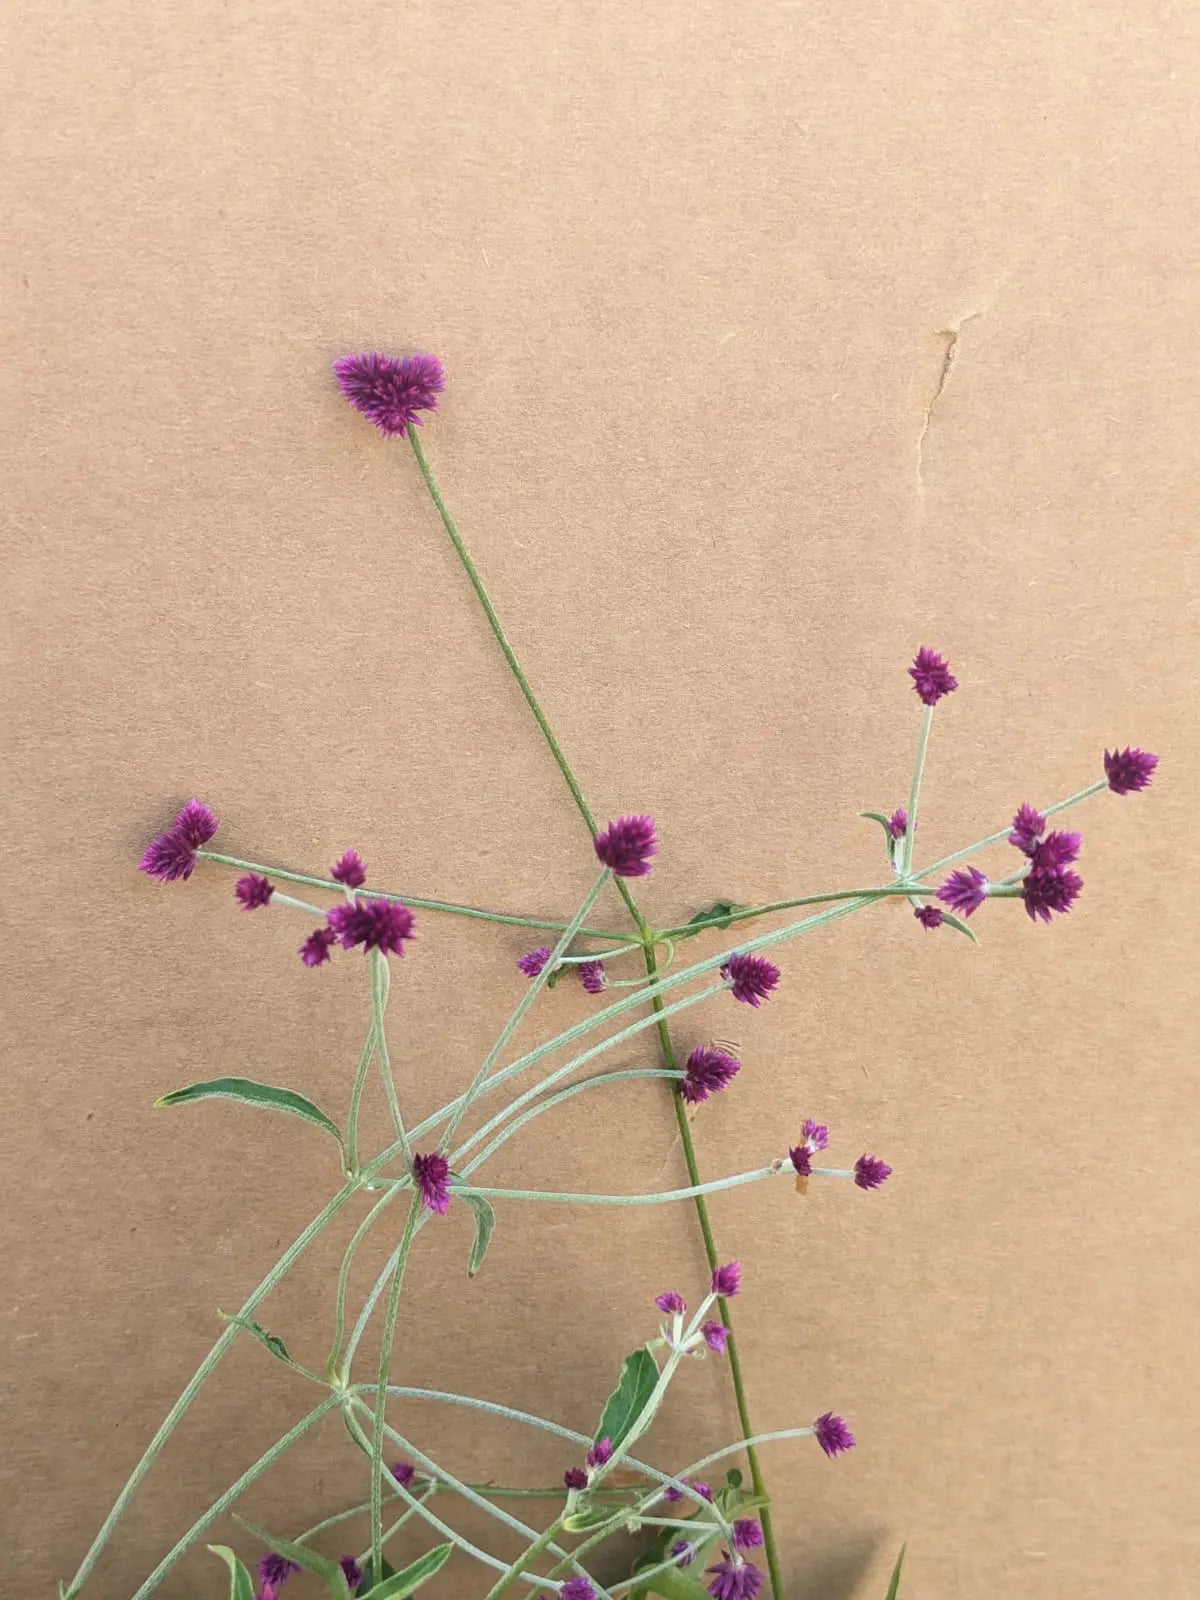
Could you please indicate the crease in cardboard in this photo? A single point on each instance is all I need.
(949, 337)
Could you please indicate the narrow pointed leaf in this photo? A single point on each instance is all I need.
(959, 926)
(241, 1585)
(717, 915)
(675, 1584)
(588, 1518)
(329, 1572)
(485, 1221)
(412, 1577)
(639, 1376)
(894, 1586)
(386, 1570)
(884, 822)
(271, 1340)
(267, 1096)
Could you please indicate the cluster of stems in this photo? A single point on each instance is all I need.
(381, 1180)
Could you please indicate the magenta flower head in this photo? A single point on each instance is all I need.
(931, 676)
(350, 869)
(253, 891)
(727, 1280)
(1045, 892)
(353, 1572)
(627, 846)
(577, 1588)
(898, 823)
(1028, 827)
(716, 1337)
(600, 1453)
(750, 977)
(275, 1569)
(671, 1303)
(404, 1472)
(683, 1553)
(928, 916)
(833, 1435)
(314, 952)
(964, 891)
(375, 924)
(747, 1535)
(675, 1495)
(593, 976)
(870, 1172)
(172, 855)
(816, 1135)
(1056, 850)
(734, 1579)
(705, 1072)
(431, 1174)
(575, 1478)
(1129, 770)
(801, 1159)
(266, 1591)
(532, 962)
(390, 391)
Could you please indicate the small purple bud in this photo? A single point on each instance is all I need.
(1129, 770)
(931, 676)
(716, 1337)
(671, 1303)
(832, 1434)
(870, 1172)
(727, 1280)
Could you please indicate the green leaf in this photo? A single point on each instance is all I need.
(272, 1340)
(403, 1583)
(485, 1221)
(386, 1570)
(884, 823)
(241, 1586)
(625, 1405)
(265, 1095)
(674, 1584)
(894, 1586)
(322, 1567)
(734, 1478)
(959, 926)
(589, 1517)
(718, 915)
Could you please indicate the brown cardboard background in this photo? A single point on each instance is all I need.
(689, 268)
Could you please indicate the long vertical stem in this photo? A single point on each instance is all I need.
(914, 798)
(385, 1370)
(668, 1052)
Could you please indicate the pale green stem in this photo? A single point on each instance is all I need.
(385, 1370)
(527, 1000)
(360, 1078)
(220, 1506)
(360, 1234)
(381, 981)
(281, 899)
(665, 1198)
(546, 1105)
(440, 1473)
(429, 1516)
(420, 903)
(914, 798)
(543, 1542)
(1002, 835)
(171, 1420)
(390, 1533)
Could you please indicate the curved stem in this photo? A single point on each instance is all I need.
(231, 1494)
(360, 1078)
(666, 1197)
(170, 1421)
(360, 1233)
(419, 902)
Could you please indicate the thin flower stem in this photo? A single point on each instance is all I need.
(666, 1197)
(547, 1105)
(414, 1510)
(884, 891)
(171, 1420)
(360, 1078)
(527, 999)
(914, 798)
(385, 1371)
(543, 1542)
(431, 1517)
(381, 982)
(360, 1233)
(999, 838)
(417, 901)
(465, 1490)
(221, 1505)
(281, 899)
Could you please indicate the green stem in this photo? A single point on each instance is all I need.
(665, 1197)
(417, 901)
(914, 798)
(385, 1370)
(537, 1548)
(731, 1348)
(170, 1421)
(360, 1233)
(360, 1078)
(999, 838)
(381, 980)
(220, 1506)
(690, 928)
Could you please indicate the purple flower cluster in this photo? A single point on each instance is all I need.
(706, 1071)
(898, 823)
(750, 977)
(931, 676)
(431, 1175)
(733, 1578)
(815, 1136)
(833, 1435)
(253, 891)
(172, 855)
(390, 391)
(627, 846)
